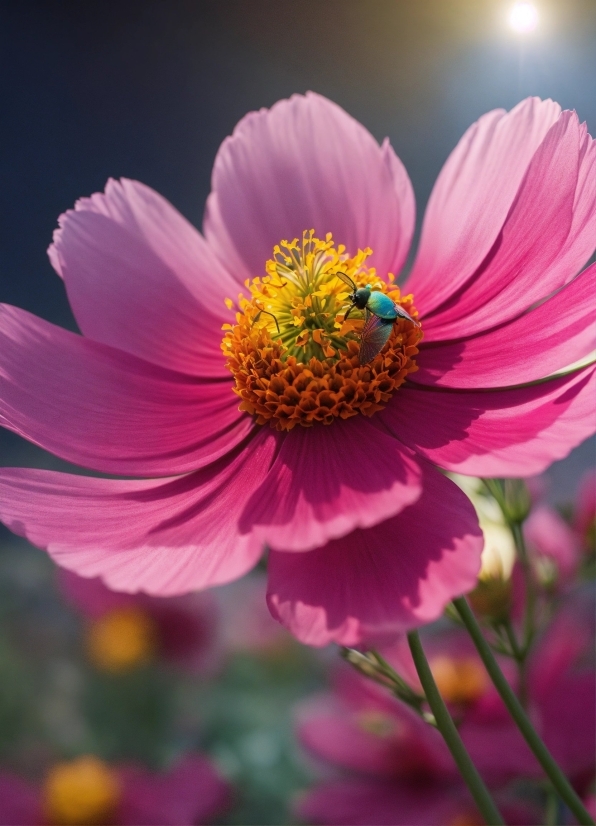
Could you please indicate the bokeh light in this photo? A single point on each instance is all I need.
(523, 18)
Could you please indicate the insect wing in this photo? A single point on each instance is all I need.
(347, 280)
(402, 314)
(373, 338)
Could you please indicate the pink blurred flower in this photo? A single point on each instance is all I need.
(584, 514)
(86, 791)
(366, 538)
(562, 696)
(184, 630)
(551, 539)
(391, 766)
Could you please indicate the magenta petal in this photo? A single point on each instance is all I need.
(20, 802)
(541, 245)
(192, 792)
(141, 278)
(356, 801)
(556, 334)
(165, 536)
(305, 164)
(473, 195)
(328, 480)
(513, 432)
(378, 582)
(103, 409)
(548, 535)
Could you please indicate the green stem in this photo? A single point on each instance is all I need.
(451, 736)
(542, 754)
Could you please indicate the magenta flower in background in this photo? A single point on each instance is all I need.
(389, 766)
(560, 666)
(125, 630)
(329, 463)
(87, 790)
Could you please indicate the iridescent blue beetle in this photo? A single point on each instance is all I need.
(380, 315)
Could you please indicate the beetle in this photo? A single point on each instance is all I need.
(381, 314)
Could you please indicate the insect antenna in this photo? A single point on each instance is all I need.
(347, 280)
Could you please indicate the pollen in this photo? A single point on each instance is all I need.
(83, 791)
(294, 356)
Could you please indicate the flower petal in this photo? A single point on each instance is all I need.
(190, 792)
(328, 480)
(542, 244)
(103, 409)
(375, 583)
(141, 278)
(303, 164)
(165, 537)
(513, 432)
(559, 332)
(356, 801)
(473, 195)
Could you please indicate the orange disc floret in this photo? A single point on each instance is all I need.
(297, 310)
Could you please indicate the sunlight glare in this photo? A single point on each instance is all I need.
(523, 18)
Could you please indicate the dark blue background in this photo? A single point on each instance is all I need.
(149, 90)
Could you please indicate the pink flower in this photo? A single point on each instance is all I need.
(86, 790)
(560, 666)
(390, 766)
(365, 536)
(125, 630)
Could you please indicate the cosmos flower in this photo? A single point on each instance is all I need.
(384, 764)
(124, 631)
(88, 791)
(329, 462)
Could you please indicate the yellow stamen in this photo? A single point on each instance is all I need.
(293, 355)
(121, 639)
(84, 791)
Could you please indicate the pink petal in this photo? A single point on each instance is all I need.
(338, 734)
(544, 341)
(186, 625)
(190, 793)
(166, 536)
(473, 195)
(355, 801)
(141, 278)
(513, 432)
(103, 409)
(543, 242)
(306, 164)
(20, 802)
(375, 583)
(548, 535)
(328, 480)
(585, 508)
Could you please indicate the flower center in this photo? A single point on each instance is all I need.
(121, 639)
(460, 680)
(296, 358)
(82, 791)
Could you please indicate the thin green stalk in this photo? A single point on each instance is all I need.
(542, 754)
(451, 736)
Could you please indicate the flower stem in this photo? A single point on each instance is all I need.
(542, 754)
(451, 736)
